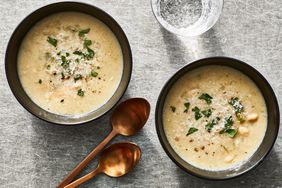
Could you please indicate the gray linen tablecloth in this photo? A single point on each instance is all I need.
(37, 154)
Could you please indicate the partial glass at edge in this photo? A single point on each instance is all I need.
(187, 17)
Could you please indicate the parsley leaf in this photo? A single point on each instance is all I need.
(210, 125)
(207, 113)
(87, 43)
(65, 62)
(227, 125)
(77, 77)
(187, 105)
(62, 76)
(80, 93)
(90, 54)
(231, 132)
(82, 33)
(52, 41)
(191, 131)
(94, 73)
(173, 108)
(206, 97)
(238, 108)
(77, 52)
(197, 112)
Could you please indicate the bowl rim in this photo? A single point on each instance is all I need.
(159, 124)
(126, 41)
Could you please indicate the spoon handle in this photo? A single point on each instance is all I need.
(90, 157)
(83, 179)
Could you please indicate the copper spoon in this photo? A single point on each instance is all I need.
(115, 161)
(127, 119)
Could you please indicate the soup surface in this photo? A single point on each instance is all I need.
(215, 117)
(70, 63)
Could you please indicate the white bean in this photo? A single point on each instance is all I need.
(228, 158)
(252, 117)
(243, 131)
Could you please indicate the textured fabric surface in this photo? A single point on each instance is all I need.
(36, 154)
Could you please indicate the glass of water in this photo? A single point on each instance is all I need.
(187, 17)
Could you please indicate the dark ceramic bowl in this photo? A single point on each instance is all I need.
(27, 24)
(272, 122)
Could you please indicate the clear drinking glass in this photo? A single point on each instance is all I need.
(187, 17)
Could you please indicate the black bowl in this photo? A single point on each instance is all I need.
(19, 34)
(272, 122)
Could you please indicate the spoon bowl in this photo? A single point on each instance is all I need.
(119, 159)
(115, 161)
(130, 116)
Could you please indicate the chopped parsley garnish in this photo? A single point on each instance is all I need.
(207, 113)
(65, 62)
(40, 81)
(187, 105)
(173, 108)
(82, 33)
(210, 125)
(80, 93)
(52, 41)
(68, 67)
(65, 65)
(191, 131)
(94, 73)
(238, 108)
(98, 67)
(197, 112)
(90, 54)
(64, 59)
(227, 127)
(77, 77)
(87, 43)
(62, 75)
(206, 97)
(77, 52)
(231, 132)
(228, 122)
